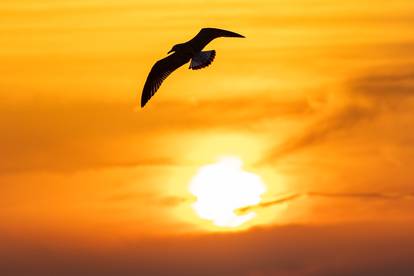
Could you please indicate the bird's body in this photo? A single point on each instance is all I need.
(182, 54)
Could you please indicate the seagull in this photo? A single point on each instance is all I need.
(181, 54)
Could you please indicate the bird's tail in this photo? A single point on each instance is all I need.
(202, 59)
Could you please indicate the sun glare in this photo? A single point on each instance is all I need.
(222, 188)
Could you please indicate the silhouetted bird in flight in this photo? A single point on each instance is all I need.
(183, 53)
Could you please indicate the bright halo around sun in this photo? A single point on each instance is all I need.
(222, 188)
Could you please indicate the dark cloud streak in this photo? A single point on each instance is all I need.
(294, 197)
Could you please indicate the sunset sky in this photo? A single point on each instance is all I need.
(316, 103)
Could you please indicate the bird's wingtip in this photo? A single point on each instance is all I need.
(238, 35)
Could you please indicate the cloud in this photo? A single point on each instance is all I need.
(271, 203)
(387, 88)
(321, 131)
(379, 196)
(365, 98)
(149, 198)
(174, 201)
(83, 135)
(364, 196)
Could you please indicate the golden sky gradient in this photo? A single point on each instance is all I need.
(317, 100)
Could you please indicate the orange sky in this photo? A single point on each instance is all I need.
(317, 100)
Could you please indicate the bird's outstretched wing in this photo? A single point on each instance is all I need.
(159, 72)
(206, 35)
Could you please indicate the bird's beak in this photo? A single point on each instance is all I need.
(170, 52)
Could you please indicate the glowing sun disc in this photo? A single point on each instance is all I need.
(222, 188)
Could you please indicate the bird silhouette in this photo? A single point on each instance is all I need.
(181, 54)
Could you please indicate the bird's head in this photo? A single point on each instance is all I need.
(173, 49)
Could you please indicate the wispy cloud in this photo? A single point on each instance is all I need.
(319, 132)
(366, 97)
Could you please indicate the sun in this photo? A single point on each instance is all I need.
(222, 188)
